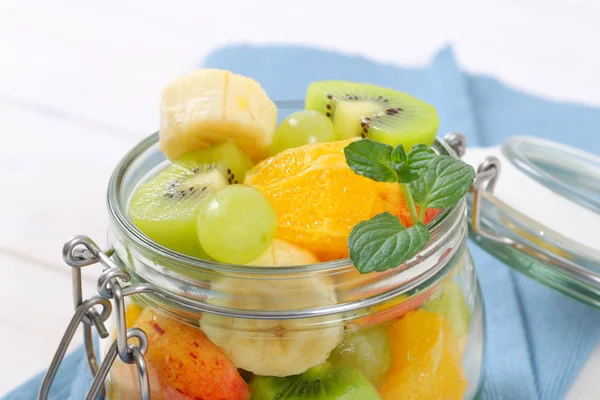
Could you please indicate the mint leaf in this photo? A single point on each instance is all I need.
(398, 155)
(443, 184)
(417, 161)
(383, 242)
(398, 160)
(371, 159)
(419, 157)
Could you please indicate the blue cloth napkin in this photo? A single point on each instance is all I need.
(537, 339)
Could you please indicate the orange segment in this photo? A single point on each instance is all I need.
(426, 360)
(318, 199)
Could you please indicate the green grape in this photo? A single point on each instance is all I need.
(452, 304)
(369, 349)
(300, 128)
(237, 224)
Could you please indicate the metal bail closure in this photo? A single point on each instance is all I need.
(79, 252)
(553, 239)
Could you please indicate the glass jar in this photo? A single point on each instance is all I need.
(411, 332)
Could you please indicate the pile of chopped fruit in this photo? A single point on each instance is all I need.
(351, 173)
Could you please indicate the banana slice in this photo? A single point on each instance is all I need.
(283, 253)
(210, 106)
(276, 347)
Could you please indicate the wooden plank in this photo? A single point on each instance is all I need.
(36, 308)
(54, 173)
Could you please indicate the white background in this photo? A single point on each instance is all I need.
(80, 82)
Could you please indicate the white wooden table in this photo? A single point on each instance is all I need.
(80, 82)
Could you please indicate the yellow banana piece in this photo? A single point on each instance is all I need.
(210, 106)
(276, 347)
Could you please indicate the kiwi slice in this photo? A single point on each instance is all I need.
(375, 112)
(166, 207)
(323, 382)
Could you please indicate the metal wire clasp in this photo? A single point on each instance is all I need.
(79, 252)
(487, 175)
(485, 182)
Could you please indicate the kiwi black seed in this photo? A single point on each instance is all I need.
(185, 184)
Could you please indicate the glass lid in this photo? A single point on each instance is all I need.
(536, 206)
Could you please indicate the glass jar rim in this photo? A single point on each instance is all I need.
(185, 277)
(117, 207)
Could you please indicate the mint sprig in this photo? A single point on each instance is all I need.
(426, 180)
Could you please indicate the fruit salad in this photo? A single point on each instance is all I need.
(352, 176)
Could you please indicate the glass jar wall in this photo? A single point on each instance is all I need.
(309, 331)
